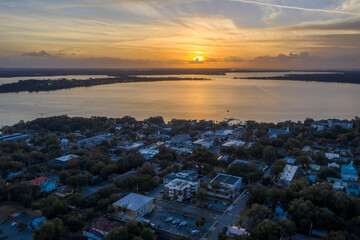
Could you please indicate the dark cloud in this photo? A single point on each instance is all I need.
(281, 57)
(233, 59)
(42, 53)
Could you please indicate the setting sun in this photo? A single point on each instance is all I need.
(198, 58)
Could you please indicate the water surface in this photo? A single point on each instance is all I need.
(216, 99)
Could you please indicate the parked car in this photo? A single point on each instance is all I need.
(176, 221)
(194, 232)
(183, 224)
(169, 219)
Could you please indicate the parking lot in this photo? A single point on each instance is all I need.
(13, 233)
(163, 211)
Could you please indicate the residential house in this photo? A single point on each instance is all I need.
(92, 142)
(178, 139)
(206, 143)
(70, 160)
(335, 165)
(14, 137)
(236, 143)
(64, 191)
(274, 133)
(29, 220)
(353, 189)
(235, 231)
(349, 172)
(136, 206)
(100, 228)
(332, 156)
(289, 160)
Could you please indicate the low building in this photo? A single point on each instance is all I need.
(206, 143)
(224, 186)
(148, 153)
(92, 142)
(235, 231)
(335, 165)
(29, 220)
(14, 137)
(48, 186)
(236, 143)
(38, 181)
(353, 189)
(274, 133)
(135, 205)
(224, 133)
(180, 190)
(70, 160)
(288, 174)
(349, 172)
(178, 139)
(332, 156)
(45, 184)
(324, 124)
(100, 228)
(289, 160)
(64, 191)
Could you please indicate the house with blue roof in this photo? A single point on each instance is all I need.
(37, 221)
(48, 186)
(289, 160)
(349, 172)
(12, 174)
(353, 189)
(274, 133)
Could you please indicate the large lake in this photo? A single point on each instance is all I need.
(216, 99)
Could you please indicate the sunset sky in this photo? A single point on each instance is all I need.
(180, 33)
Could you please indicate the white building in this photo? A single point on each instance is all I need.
(288, 173)
(323, 124)
(332, 156)
(206, 143)
(180, 190)
(236, 143)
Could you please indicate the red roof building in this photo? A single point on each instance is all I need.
(38, 181)
(100, 228)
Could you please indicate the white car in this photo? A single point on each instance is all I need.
(194, 232)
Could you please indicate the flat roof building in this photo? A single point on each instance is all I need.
(288, 173)
(69, 160)
(228, 186)
(136, 206)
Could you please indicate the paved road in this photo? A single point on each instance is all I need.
(229, 217)
(155, 193)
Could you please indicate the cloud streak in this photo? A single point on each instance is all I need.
(297, 8)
